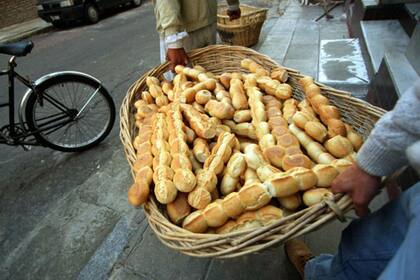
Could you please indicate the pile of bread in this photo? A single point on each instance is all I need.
(236, 151)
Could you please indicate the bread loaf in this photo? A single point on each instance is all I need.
(280, 74)
(235, 167)
(275, 88)
(237, 94)
(290, 182)
(314, 196)
(178, 209)
(254, 67)
(203, 96)
(355, 139)
(290, 202)
(339, 146)
(242, 116)
(289, 109)
(201, 150)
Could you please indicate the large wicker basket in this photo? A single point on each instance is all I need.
(244, 31)
(217, 59)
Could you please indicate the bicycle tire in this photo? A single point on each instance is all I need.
(48, 84)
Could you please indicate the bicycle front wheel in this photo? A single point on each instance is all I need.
(74, 113)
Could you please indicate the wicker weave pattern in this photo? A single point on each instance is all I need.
(218, 59)
(244, 31)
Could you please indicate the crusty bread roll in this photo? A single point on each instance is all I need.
(237, 94)
(198, 122)
(296, 160)
(325, 173)
(235, 167)
(315, 150)
(245, 129)
(275, 88)
(207, 177)
(254, 67)
(178, 209)
(188, 94)
(290, 182)
(339, 146)
(355, 139)
(280, 74)
(203, 96)
(305, 106)
(252, 219)
(316, 130)
(289, 109)
(220, 109)
(314, 196)
(290, 202)
(201, 150)
(147, 97)
(242, 116)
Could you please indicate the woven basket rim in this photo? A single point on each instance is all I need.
(253, 10)
(158, 221)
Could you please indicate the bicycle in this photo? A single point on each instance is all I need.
(67, 111)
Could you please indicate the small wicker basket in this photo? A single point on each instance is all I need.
(244, 31)
(218, 59)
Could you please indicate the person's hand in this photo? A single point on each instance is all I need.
(176, 57)
(234, 14)
(359, 185)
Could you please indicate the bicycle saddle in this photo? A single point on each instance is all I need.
(17, 49)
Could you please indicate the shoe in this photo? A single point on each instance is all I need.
(299, 254)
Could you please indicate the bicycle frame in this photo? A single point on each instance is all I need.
(11, 73)
(14, 138)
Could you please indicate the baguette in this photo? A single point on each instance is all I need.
(183, 179)
(156, 91)
(290, 202)
(339, 146)
(165, 190)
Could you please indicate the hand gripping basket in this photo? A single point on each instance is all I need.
(218, 59)
(244, 31)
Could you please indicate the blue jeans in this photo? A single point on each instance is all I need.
(384, 245)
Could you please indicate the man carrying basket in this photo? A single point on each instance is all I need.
(184, 25)
(386, 243)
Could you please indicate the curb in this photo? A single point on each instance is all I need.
(25, 34)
